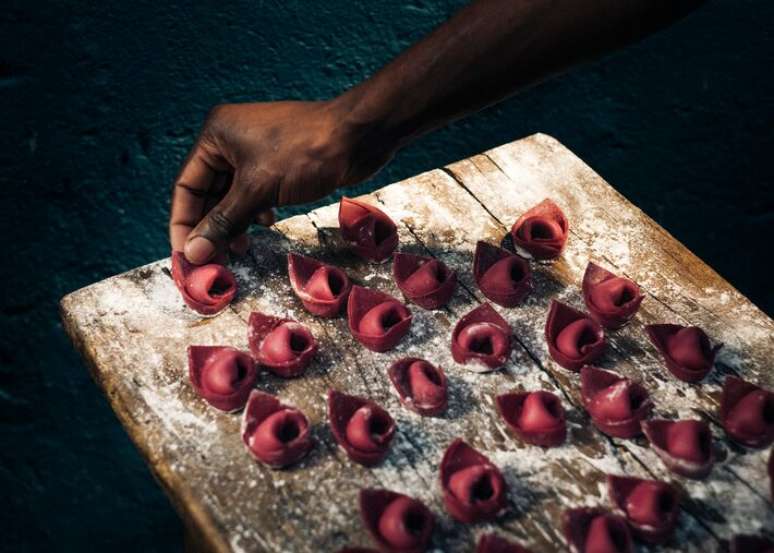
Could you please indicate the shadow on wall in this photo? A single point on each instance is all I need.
(100, 103)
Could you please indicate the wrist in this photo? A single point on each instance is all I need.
(361, 133)
(366, 120)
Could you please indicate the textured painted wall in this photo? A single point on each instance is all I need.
(98, 105)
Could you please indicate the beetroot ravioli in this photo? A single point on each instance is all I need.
(223, 376)
(611, 300)
(377, 320)
(370, 232)
(594, 530)
(481, 339)
(687, 351)
(421, 386)
(542, 230)
(283, 346)
(747, 413)
(323, 289)
(651, 507)
(398, 523)
(207, 289)
(685, 446)
(425, 281)
(473, 488)
(274, 433)
(573, 338)
(492, 543)
(536, 417)
(616, 405)
(361, 427)
(503, 277)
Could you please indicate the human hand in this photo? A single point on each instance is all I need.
(250, 158)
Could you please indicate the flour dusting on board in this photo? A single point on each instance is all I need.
(136, 329)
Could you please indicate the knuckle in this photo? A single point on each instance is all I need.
(215, 112)
(255, 187)
(222, 225)
(215, 116)
(215, 120)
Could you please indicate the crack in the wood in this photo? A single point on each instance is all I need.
(320, 236)
(615, 447)
(677, 261)
(654, 476)
(649, 352)
(701, 412)
(151, 455)
(406, 434)
(419, 452)
(662, 302)
(370, 392)
(497, 165)
(617, 450)
(618, 269)
(578, 236)
(331, 447)
(570, 230)
(456, 179)
(518, 340)
(483, 411)
(766, 498)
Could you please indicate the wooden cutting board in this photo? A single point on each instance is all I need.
(133, 329)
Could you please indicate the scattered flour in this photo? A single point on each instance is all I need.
(141, 328)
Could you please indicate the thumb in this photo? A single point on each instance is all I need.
(224, 222)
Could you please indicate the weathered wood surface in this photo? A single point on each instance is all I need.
(133, 330)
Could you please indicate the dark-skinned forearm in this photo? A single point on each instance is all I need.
(488, 51)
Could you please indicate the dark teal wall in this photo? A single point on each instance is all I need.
(98, 105)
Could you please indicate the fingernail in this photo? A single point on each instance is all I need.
(199, 250)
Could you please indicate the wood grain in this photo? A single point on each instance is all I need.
(133, 330)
